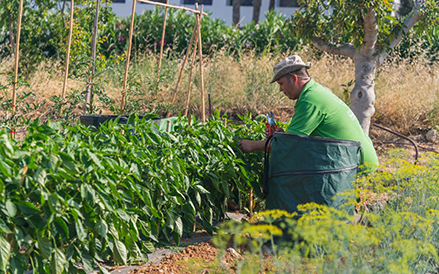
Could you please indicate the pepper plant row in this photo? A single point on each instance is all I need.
(72, 194)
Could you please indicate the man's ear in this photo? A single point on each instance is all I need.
(294, 78)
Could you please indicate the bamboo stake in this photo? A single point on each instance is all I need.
(17, 57)
(69, 43)
(210, 105)
(251, 203)
(171, 6)
(93, 57)
(200, 51)
(122, 103)
(191, 69)
(161, 53)
(184, 63)
(188, 98)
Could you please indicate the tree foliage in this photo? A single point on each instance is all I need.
(338, 22)
(364, 30)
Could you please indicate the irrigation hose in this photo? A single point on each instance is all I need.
(402, 136)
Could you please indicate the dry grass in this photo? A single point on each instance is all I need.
(406, 92)
(407, 95)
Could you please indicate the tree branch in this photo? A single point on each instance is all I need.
(409, 23)
(346, 49)
(370, 32)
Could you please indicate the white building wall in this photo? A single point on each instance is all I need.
(219, 9)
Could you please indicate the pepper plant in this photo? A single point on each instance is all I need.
(71, 194)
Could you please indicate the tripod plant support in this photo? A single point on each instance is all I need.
(127, 64)
(89, 98)
(200, 52)
(161, 52)
(69, 43)
(196, 29)
(194, 34)
(192, 64)
(17, 57)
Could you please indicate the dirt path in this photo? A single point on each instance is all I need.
(194, 252)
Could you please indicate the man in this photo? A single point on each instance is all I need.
(318, 112)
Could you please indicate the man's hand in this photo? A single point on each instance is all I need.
(276, 130)
(249, 145)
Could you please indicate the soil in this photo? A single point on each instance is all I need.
(203, 257)
(191, 259)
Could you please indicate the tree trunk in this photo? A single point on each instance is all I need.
(236, 5)
(363, 94)
(256, 10)
(271, 5)
(367, 59)
(63, 7)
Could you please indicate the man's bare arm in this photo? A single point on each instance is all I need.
(250, 145)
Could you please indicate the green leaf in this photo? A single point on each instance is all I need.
(101, 228)
(5, 169)
(243, 171)
(113, 231)
(149, 247)
(15, 265)
(40, 176)
(95, 159)
(63, 173)
(58, 263)
(69, 251)
(87, 261)
(53, 160)
(102, 270)
(198, 198)
(54, 204)
(122, 214)
(2, 188)
(119, 252)
(80, 232)
(63, 225)
(7, 146)
(201, 189)
(5, 253)
(11, 209)
(4, 228)
(28, 208)
(68, 162)
(135, 170)
(45, 246)
(88, 194)
(189, 209)
(176, 166)
(178, 227)
(106, 201)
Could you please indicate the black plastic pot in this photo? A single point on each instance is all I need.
(98, 120)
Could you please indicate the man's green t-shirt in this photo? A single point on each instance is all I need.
(318, 112)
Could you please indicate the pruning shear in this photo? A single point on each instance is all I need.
(270, 125)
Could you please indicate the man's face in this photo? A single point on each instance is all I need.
(288, 85)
